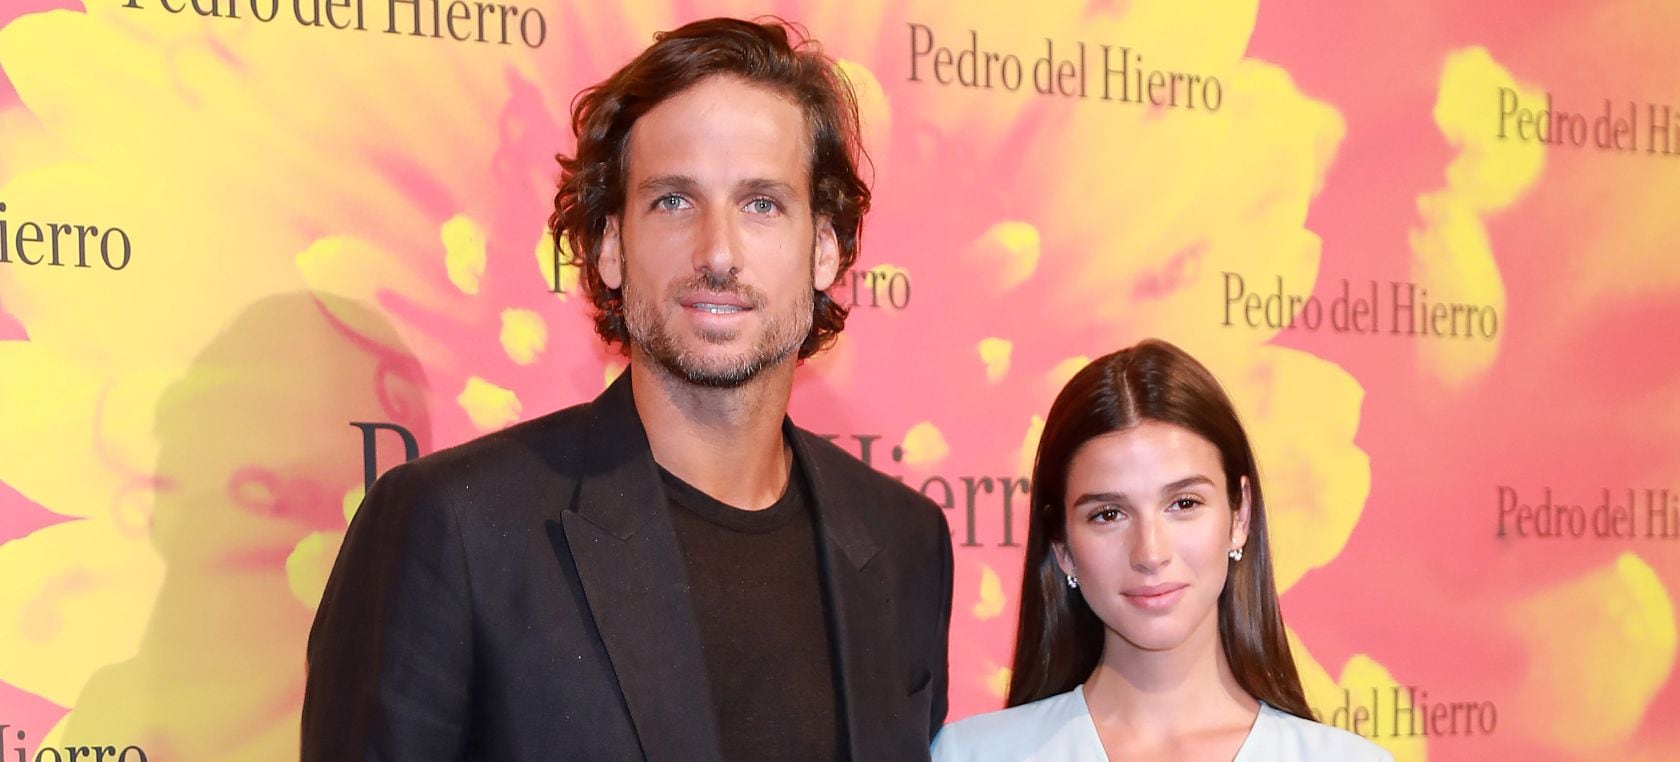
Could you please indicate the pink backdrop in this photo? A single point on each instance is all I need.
(268, 231)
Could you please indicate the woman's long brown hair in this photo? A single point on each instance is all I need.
(1059, 639)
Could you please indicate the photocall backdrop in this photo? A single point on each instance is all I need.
(254, 252)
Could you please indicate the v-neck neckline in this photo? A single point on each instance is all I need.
(1096, 737)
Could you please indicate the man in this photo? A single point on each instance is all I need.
(673, 571)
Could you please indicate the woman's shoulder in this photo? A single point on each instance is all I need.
(1279, 735)
(1050, 728)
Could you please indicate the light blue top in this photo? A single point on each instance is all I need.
(1059, 729)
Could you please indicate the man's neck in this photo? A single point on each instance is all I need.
(725, 442)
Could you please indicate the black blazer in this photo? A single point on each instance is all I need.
(523, 597)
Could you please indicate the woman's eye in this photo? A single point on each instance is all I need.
(1185, 503)
(1106, 515)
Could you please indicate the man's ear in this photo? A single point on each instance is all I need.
(825, 262)
(610, 264)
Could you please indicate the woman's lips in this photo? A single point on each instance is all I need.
(1154, 597)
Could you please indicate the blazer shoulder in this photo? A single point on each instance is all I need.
(522, 454)
(546, 440)
(867, 486)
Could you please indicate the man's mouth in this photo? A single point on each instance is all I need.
(711, 302)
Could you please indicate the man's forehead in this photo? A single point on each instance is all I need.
(721, 130)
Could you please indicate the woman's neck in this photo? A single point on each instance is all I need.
(1154, 697)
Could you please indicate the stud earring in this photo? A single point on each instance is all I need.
(1235, 554)
(1073, 582)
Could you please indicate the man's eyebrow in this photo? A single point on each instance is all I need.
(767, 186)
(666, 183)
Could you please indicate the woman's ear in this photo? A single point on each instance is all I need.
(1240, 521)
(1064, 559)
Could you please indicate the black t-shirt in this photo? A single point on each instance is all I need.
(757, 594)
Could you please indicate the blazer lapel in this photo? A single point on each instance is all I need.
(631, 567)
(861, 618)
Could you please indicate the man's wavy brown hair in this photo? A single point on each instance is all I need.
(769, 53)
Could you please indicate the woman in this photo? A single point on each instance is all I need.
(1149, 624)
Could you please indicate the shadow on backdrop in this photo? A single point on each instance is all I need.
(259, 466)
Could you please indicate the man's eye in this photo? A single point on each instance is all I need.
(669, 202)
(761, 206)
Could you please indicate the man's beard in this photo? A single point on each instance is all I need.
(781, 338)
